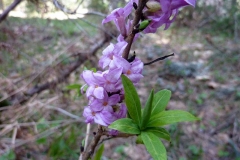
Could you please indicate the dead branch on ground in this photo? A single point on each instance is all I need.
(5, 13)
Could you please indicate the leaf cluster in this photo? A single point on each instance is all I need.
(147, 123)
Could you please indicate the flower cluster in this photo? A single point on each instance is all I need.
(158, 12)
(105, 91)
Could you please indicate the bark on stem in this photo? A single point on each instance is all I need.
(138, 15)
(90, 150)
(137, 18)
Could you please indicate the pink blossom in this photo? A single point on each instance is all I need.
(132, 70)
(105, 104)
(110, 52)
(167, 14)
(94, 82)
(92, 116)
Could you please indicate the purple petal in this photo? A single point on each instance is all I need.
(137, 66)
(107, 117)
(98, 92)
(87, 113)
(121, 62)
(135, 78)
(113, 75)
(122, 111)
(114, 99)
(89, 91)
(96, 105)
(104, 61)
(88, 77)
(108, 50)
(119, 47)
(113, 15)
(99, 120)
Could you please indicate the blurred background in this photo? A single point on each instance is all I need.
(45, 45)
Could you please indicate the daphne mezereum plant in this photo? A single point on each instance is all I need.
(113, 100)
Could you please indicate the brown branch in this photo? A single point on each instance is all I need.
(120, 135)
(90, 150)
(4, 15)
(129, 39)
(137, 18)
(82, 57)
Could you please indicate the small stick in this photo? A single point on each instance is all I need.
(158, 59)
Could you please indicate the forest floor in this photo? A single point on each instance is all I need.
(203, 76)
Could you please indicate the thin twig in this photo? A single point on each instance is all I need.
(41, 135)
(136, 20)
(87, 135)
(14, 134)
(83, 56)
(86, 139)
(64, 112)
(90, 150)
(158, 59)
(4, 15)
(27, 124)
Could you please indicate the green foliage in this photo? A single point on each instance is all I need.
(10, 155)
(61, 146)
(75, 87)
(196, 152)
(132, 100)
(98, 5)
(99, 153)
(160, 101)
(147, 110)
(168, 117)
(139, 140)
(154, 146)
(159, 132)
(125, 125)
(146, 123)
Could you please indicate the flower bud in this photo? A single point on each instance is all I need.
(153, 6)
(144, 24)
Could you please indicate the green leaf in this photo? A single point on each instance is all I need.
(169, 117)
(160, 101)
(9, 155)
(147, 111)
(132, 100)
(94, 70)
(99, 153)
(159, 132)
(73, 86)
(42, 140)
(139, 140)
(154, 146)
(125, 125)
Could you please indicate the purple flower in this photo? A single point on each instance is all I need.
(128, 28)
(92, 116)
(112, 79)
(94, 82)
(121, 111)
(110, 52)
(107, 117)
(167, 13)
(105, 104)
(120, 13)
(119, 16)
(132, 70)
(176, 4)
